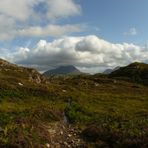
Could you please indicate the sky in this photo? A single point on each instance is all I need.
(92, 35)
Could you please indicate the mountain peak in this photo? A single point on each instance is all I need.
(63, 70)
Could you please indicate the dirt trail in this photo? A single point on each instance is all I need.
(63, 135)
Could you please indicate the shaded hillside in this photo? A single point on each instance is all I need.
(135, 72)
(63, 70)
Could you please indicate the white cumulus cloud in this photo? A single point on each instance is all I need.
(24, 18)
(62, 8)
(49, 30)
(89, 53)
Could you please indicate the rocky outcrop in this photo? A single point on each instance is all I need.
(35, 76)
(22, 73)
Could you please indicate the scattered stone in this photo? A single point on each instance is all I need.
(51, 131)
(64, 91)
(47, 145)
(96, 84)
(20, 84)
(65, 143)
(69, 135)
(64, 136)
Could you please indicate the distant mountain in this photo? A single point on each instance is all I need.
(108, 71)
(63, 70)
(136, 72)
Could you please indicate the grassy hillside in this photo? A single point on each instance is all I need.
(135, 72)
(106, 112)
(111, 112)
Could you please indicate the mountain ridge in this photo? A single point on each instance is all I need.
(108, 71)
(63, 70)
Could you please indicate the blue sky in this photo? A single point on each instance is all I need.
(31, 29)
(114, 17)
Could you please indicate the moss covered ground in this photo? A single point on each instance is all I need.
(110, 113)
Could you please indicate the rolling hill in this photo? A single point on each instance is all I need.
(135, 72)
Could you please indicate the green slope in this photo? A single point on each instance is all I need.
(110, 113)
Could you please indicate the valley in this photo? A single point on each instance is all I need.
(71, 111)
